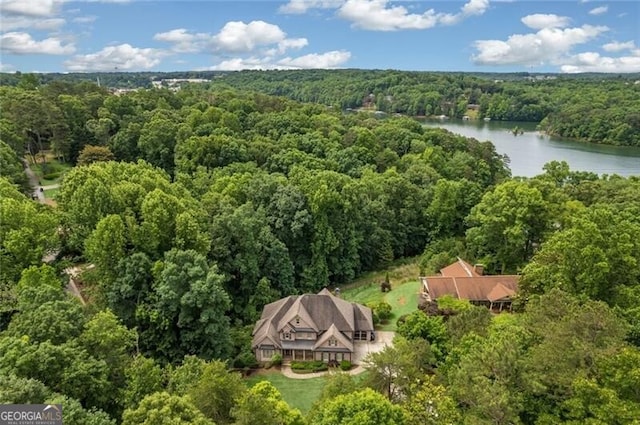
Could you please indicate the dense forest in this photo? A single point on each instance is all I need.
(595, 108)
(197, 207)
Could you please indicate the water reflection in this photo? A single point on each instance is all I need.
(530, 150)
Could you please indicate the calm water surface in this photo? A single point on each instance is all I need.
(528, 152)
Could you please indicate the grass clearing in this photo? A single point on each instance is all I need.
(403, 298)
(401, 271)
(51, 193)
(53, 173)
(298, 393)
(404, 294)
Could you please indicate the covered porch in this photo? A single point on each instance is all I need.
(297, 350)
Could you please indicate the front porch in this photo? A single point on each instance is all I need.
(291, 354)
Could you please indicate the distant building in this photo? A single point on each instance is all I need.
(174, 84)
(466, 282)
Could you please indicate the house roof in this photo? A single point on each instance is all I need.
(320, 312)
(265, 333)
(334, 332)
(480, 288)
(461, 281)
(500, 292)
(459, 269)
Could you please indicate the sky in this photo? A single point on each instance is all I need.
(561, 36)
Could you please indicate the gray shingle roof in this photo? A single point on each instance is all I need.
(321, 311)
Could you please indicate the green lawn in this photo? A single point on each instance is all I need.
(51, 193)
(403, 298)
(298, 393)
(55, 171)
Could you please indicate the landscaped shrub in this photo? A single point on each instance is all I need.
(309, 366)
(380, 311)
(246, 359)
(51, 176)
(276, 360)
(383, 310)
(345, 365)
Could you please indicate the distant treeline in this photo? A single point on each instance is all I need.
(597, 108)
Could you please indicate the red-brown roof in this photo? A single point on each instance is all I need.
(459, 269)
(460, 280)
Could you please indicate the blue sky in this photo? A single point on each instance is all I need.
(172, 35)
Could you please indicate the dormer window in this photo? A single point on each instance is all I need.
(286, 335)
(297, 320)
(333, 342)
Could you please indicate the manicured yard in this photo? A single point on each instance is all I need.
(298, 393)
(403, 298)
(51, 193)
(55, 171)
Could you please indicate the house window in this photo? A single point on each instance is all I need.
(333, 342)
(286, 335)
(267, 354)
(360, 335)
(297, 320)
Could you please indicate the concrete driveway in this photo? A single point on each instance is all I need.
(362, 348)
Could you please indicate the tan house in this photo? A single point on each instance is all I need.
(463, 281)
(311, 327)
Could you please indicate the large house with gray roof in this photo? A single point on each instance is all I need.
(311, 327)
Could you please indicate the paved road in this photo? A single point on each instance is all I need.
(38, 191)
(38, 194)
(34, 182)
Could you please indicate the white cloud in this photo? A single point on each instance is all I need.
(378, 15)
(292, 43)
(236, 36)
(599, 10)
(184, 41)
(21, 43)
(297, 7)
(238, 64)
(122, 57)
(546, 46)
(5, 67)
(326, 60)
(619, 46)
(30, 7)
(14, 22)
(472, 8)
(84, 19)
(539, 21)
(593, 62)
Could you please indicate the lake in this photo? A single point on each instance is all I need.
(529, 151)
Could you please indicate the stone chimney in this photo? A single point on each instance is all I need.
(479, 268)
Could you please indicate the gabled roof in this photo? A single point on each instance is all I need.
(500, 292)
(461, 281)
(297, 309)
(363, 317)
(481, 288)
(334, 332)
(319, 311)
(459, 269)
(264, 333)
